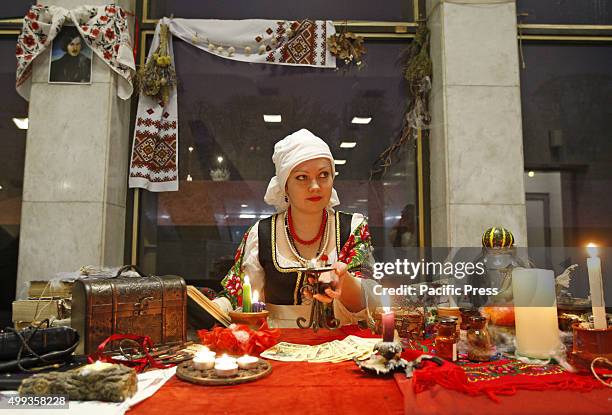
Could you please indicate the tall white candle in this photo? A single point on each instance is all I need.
(596, 287)
(535, 312)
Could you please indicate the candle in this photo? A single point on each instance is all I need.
(596, 288)
(257, 306)
(204, 360)
(535, 312)
(388, 324)
(247, 362)
(226, 366)
(246, 295)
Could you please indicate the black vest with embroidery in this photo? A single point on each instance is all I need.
(282, 285)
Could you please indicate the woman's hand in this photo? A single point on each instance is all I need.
(335, 279)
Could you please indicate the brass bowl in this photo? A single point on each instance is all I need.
(253, 320)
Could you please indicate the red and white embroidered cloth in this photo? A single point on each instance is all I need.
(104, 29)
(154, 162)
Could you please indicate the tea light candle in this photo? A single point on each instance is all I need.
(596, 288)
(388, 324)
(247, 362)
(257, 306)
(226, 366)
(204, 360)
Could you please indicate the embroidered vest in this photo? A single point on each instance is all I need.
(283, 285)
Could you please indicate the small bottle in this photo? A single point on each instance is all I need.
(446, 339)
(480, 348)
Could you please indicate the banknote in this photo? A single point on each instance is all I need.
(336, 351)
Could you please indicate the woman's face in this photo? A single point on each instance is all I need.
(309, 186)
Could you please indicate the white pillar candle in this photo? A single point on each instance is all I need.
(247, 362)
(535, 312)
(596, 288)
(204, 360)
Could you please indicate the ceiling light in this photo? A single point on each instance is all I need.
(1, 187)
(339, 162)
(247, 216)
(348, 144)
(190, 149)
(337, 173)
(21, 123)
(531, 174)
(243, 205)
(263, 216)
(362, 200)
(220, 159)
(189, 178)
(361, 120)
(272, 118)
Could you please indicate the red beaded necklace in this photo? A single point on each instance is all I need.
(318, 235)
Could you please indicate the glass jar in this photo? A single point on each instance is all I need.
(446, 339)
(466, 313)
(480, 348)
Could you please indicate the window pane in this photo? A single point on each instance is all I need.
(390, 10)
(593, 12)
(12, 156)
(567, 118)
(222, 103)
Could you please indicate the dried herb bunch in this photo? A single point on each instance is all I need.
(347, 46)
(158, 77)
(417, 72)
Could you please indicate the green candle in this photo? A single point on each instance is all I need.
(246, 295)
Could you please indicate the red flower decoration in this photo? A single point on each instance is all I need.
(110, 34)
(107, 55)
(110, 10)
(364, 233)
(104, 18)
(237, 256)
(346, 249)
(116, 48)
(29, 41)
(31, 15)
(85, 28)
(18, 51)
(35, 26)
(95, 32)
(239, 339)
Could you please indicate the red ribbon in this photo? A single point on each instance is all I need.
(138, 364)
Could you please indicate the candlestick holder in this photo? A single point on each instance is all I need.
(590, 344)
(318, 312)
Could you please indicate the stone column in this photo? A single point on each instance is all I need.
(75, 178)
(476, 141)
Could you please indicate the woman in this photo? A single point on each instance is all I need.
(305, 229)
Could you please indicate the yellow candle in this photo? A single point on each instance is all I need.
(596, 288)
(535, 312)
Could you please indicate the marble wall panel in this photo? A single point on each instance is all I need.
(118, 149)
(484, 136)
(480, 44)
(67, 143)
(56, 237)
(440, 235)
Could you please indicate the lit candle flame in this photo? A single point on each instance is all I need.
(592, 250)
(255, 296)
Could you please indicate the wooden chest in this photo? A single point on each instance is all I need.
(148, 306)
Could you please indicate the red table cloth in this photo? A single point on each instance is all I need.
(341, 388)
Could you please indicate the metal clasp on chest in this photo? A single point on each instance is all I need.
(141, 307)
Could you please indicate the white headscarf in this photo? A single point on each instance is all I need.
(288, 153)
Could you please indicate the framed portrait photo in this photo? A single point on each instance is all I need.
(71, 58)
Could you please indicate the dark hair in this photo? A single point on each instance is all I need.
(67, 35)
